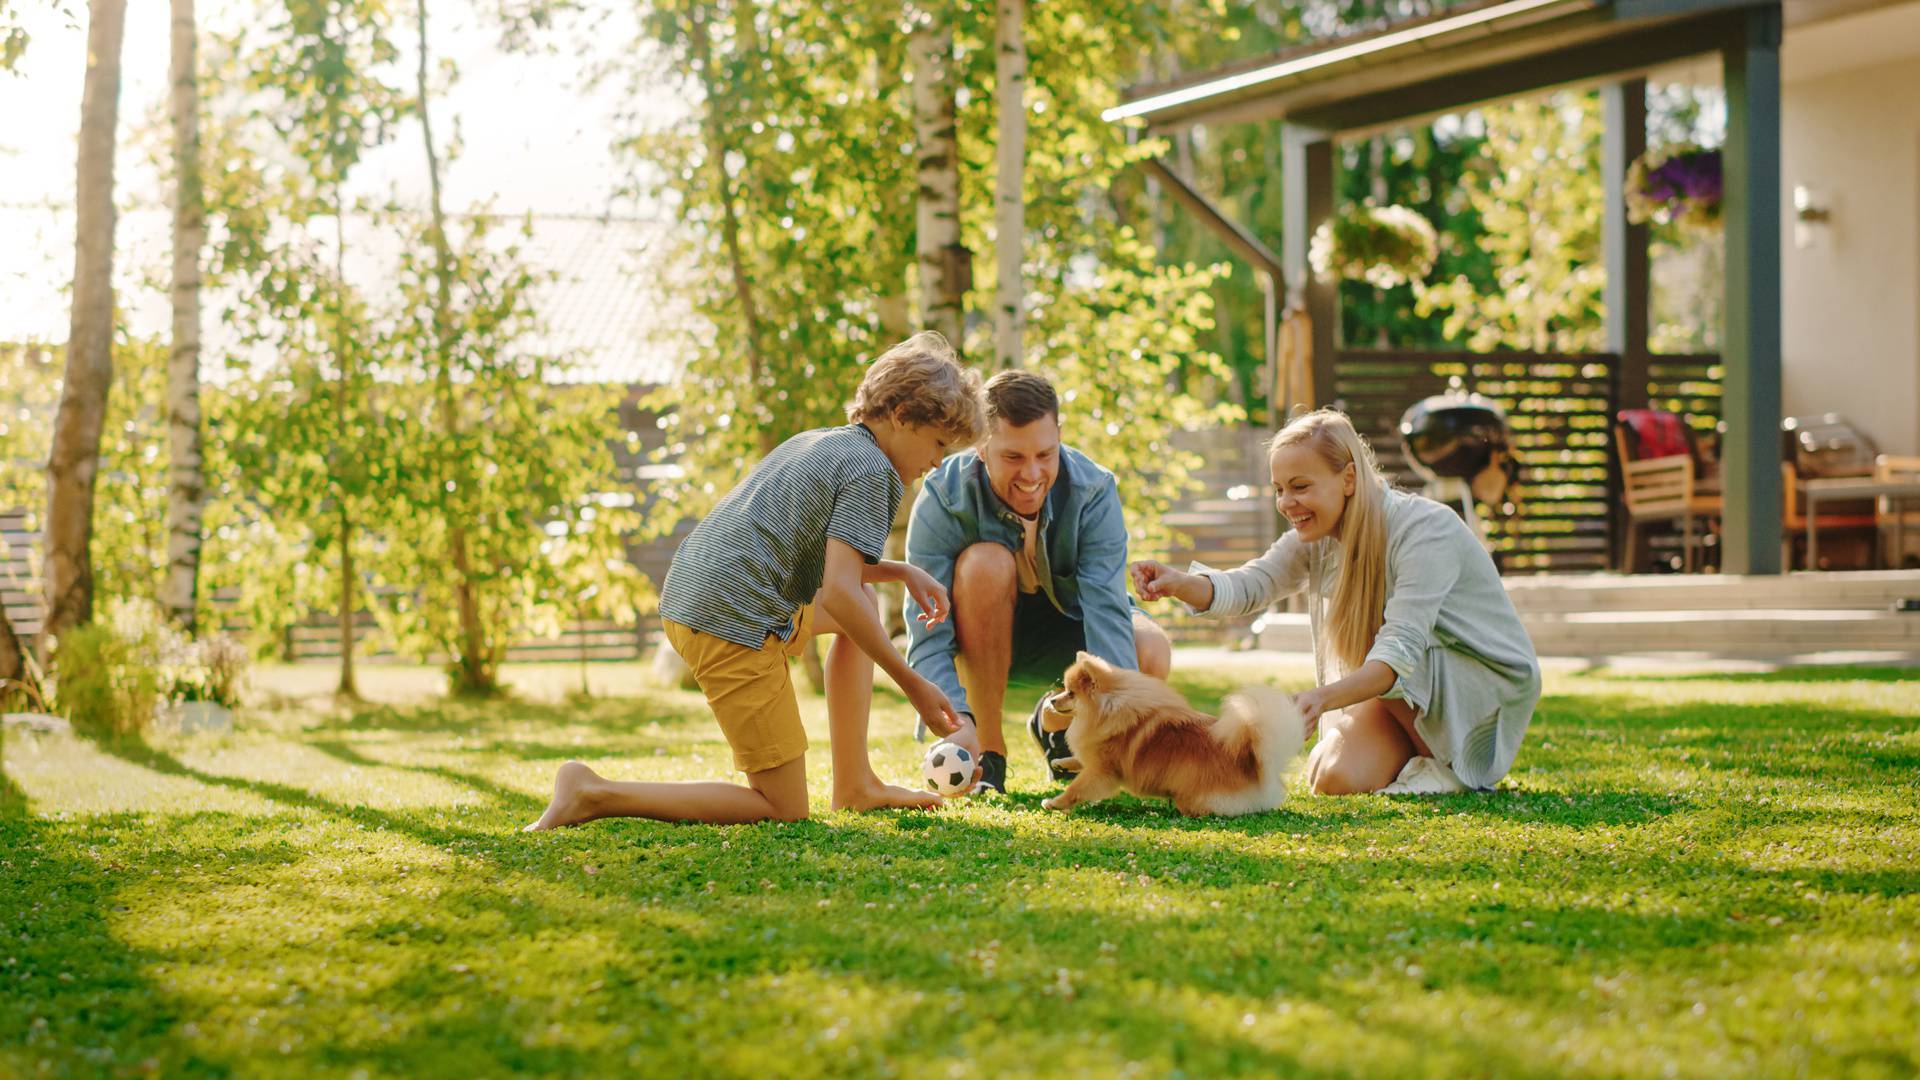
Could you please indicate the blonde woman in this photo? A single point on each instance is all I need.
(1438, 679)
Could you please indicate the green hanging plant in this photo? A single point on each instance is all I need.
(1383, 246)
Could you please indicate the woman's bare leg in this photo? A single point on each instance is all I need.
(1363, 753)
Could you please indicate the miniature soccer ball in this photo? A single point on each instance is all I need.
(949, 768)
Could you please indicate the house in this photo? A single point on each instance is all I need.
(1821, 219)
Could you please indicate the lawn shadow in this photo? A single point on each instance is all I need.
(610, 715)
(13, 801)
(517, 801)
(72, 985)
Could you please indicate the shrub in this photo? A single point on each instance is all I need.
(108, 673)
(211, 669)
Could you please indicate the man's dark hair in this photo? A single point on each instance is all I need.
(1020, 398)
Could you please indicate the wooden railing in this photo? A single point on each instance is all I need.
(1560, 408)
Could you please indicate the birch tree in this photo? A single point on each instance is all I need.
(186, 493)
(75, 458)
(1010, 88)
(944, 267)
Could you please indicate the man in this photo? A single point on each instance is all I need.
(1028, 537)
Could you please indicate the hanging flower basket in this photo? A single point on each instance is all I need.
(1681, 183)
(1383, 246)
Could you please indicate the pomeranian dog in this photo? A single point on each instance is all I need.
(1133, 732)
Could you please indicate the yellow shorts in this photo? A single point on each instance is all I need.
(750, 691)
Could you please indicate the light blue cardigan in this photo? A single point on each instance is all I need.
(1450, 633)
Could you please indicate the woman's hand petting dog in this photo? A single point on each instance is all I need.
(1311, 704)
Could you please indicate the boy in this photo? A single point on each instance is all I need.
(791, 553)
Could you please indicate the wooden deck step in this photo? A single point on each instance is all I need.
(1737, 632)
(1871, 589)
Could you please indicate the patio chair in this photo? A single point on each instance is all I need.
(1661, 481)
(1856, 519)
(1888, 468)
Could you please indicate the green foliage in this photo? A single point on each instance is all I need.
(496, 443)
(812, 116)
(386, 414)
(129, 542)
(1700, 877)
(108, 677)
(1536, 186)
(810, 104)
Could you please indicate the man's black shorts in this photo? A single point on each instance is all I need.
(1045, 641)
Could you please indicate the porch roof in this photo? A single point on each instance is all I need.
(1466, 54)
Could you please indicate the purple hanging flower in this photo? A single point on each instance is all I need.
(1682, 183)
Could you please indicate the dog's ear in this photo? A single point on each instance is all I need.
(1088, 673)
(1079, 677)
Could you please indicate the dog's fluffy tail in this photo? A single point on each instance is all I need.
(1267, 719)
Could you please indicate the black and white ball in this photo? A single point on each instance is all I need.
(950, 768)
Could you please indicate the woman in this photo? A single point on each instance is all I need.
(1438, 678)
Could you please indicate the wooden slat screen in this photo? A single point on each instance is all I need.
(1560, 409)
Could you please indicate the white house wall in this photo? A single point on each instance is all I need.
(1851, 133)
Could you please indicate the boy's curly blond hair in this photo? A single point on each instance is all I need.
(920, 381)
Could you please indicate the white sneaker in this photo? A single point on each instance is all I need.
(1424, 776)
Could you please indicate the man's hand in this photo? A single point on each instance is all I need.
(935, 710)
(932, 597)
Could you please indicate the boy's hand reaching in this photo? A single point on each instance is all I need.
(932, 597)
(935, 710)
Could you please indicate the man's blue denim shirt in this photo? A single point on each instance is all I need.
(1081, 556)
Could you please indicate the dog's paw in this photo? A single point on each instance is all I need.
(1067, 764)
(1052, 804)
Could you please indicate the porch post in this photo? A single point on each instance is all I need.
(1624, 105)
(1750, 456)
(1306, 166)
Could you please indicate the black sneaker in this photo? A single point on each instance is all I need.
(993, 773)
(1053, 744)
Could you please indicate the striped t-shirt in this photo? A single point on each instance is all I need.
(743, 572)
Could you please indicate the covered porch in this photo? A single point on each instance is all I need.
(1560, 406)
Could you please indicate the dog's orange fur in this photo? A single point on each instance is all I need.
(1134, 732)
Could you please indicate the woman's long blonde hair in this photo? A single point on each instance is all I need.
(1360, 597)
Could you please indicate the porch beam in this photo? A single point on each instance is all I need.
(1624, 109)
(1616, 55)
(1750, 209)
(1306, 165)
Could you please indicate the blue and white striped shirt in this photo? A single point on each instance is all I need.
(743, 572)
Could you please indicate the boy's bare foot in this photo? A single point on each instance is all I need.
(874, 795)
(572, 798)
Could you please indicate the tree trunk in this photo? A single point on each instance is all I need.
(347, 688)
(185, 495)
(13, 655)
(477, 671)
(894, 306)
(75, 457)
(343, 368)
(714, 127)
(1010, 85)
(943, 262)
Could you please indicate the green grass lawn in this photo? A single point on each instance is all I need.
(1701, 877)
